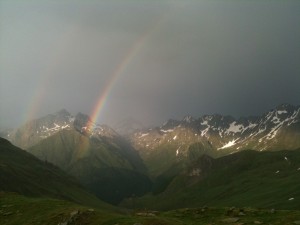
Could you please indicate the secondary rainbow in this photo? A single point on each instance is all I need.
(57, 55)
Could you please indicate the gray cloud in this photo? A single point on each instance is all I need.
(200, 57)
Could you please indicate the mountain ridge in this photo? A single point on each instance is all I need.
(22, 173)
(216, 135)
(102, 160)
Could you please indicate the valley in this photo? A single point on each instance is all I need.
(210, 170)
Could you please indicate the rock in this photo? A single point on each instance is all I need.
(137, 224)
(258, 222)
(91, 210)
(272, 211)
(296, 222)
(73, 216)
(64, 223)
(6, 206)
(7, 213)
(229, 212)
(74, 213)
(145, 214)
(231, 220)
(242, 214)
(72, 219)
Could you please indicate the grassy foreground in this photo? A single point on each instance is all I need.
(16, 209)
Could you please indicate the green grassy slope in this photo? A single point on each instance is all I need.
(165, 162)
(248, 178)
(20, 210)
(21, 172)
(110, 168)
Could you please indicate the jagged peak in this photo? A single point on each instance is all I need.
(188, 119)
(170, 122)
(128, 126)
(81, 121)
(82, 116)
(62, 112)
(216, 117)
(285, 107)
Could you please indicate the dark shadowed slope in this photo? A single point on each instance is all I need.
(23, 173)
(107, 167)
(247, 178)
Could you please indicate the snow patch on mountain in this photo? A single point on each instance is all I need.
(220, 134)
(252, 125)
(281, 112)
(269, 115)
(205, 122)
(144, 135)
(188, 119)
(275, 129)
(234, 128)
(203, 132)
(66, 126)
(275, 120)
(167, 131)
(293, 119)
(229, 144)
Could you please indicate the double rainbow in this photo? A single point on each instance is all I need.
(62, 47)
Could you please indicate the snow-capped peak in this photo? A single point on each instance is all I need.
(188, 119)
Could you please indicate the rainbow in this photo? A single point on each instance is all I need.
(61, 47)
(133, 51)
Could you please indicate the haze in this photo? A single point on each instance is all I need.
(174, 58)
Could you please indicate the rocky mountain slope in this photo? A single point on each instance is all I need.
(128, 126)
(217, 135)
(36, 130)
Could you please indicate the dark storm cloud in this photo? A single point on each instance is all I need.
(202, 57)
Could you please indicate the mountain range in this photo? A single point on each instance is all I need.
(216, 136)
(160, 160)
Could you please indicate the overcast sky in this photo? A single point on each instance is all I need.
(190, 57)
